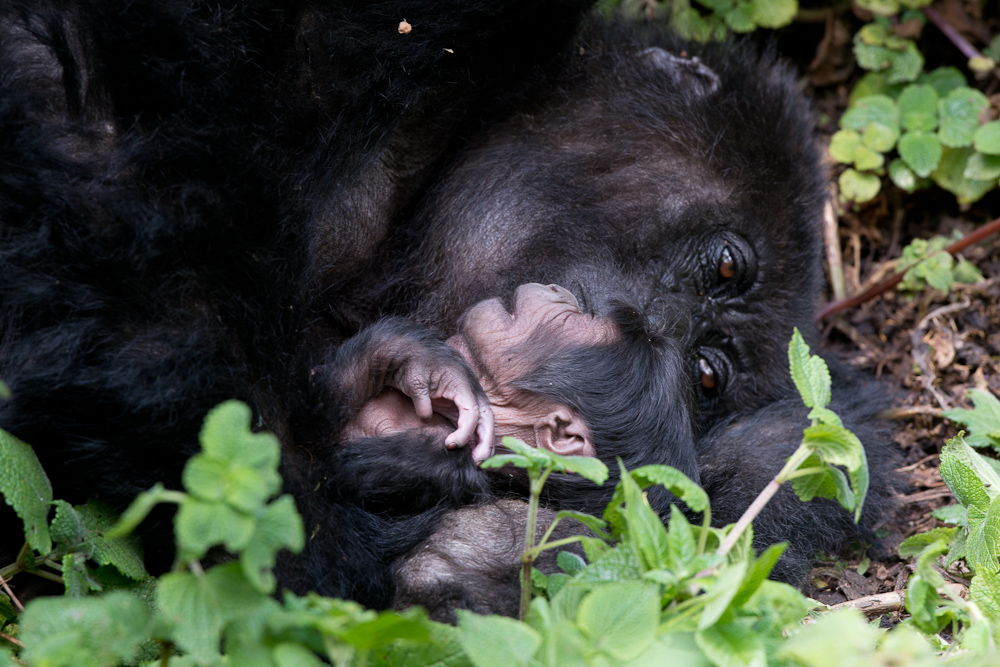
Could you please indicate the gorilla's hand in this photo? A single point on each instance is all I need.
(396, 353)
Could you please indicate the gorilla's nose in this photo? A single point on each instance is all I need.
(550, 293)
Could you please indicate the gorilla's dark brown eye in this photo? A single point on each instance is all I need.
(727, 265)
(708, 381)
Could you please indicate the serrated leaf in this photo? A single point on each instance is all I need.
(902, 176)
(774, 13)
(921, 151)
(879, 137)
(944, 80)
(123, 553)
(982, 420)
(83, 632)
(681, 543)
(857, 187)
(913, 545)
(956, 515)
(619, 564)
(226, 436)
(67, 529)
(26, 488)
(985, 592)
(732, 645)
(982, 167)
(959, 116)
(494, 641)
(918, 108)
(200, 525)
(982, 547)
(620, 620)
(866, 159)
(809, 373)
(278, 527)
(958, 473)
(679, 484)
(987, 138)
(196, 609)
(950, 175)
(843, 144)
(645, 530)
(879, 109)
(825, 416)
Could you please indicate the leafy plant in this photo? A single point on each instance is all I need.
(926, 262)
(707, 20)
(983, 420)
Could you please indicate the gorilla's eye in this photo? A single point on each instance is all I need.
(708, 381)
(727, 265)
(712, 373)
(730, 267)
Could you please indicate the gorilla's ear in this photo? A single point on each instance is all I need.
(562, 431)
(686, 72)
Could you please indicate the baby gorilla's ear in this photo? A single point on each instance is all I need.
(564, 432)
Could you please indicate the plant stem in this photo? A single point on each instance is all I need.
(962, 44)
(544, 546)
(706, 523)
(793, 463)
(528, 557)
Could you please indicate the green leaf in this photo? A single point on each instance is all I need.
(913, 545)
(944, 80)
(872, 83)
(809, 373)
(620, 620)
(982, 547)
(954, 514)
(982, 167)
(985, 592)
(83, 632)
(26, 488)
(596, 526)
(982, 420)
(950, 175)
(987, 138)
(494, 641)
(959, 113)
(774, 13)
(67, 529)
(681, 543)
(902, 176)
(644, 529)
(388, 626)
(674, 481)
(758, 572)
(740, 18)
(879, 137)
(843, 144)
(835, 444)
(732, 645)
(501, 460)
(898, 58)
(288, 654)
(226, 436)
(836, 639)
(197, 608)
(880, 7)
(858, 187)
(866, 159)
(278, 527)
(879, 109)
(619, 564)
(967, 273)
(960, 475)
(200, 525)
(918, 108)
(921, 151)
(722, 593)
(569, 562)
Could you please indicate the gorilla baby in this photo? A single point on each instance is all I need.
(580, 384)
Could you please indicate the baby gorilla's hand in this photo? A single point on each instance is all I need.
(398, 354)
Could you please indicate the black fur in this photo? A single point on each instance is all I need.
(202, 202)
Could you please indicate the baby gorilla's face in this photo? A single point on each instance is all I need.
(503, 347)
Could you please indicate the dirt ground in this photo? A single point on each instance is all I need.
(931, 347)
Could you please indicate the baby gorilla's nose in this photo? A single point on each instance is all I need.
(538, 294)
